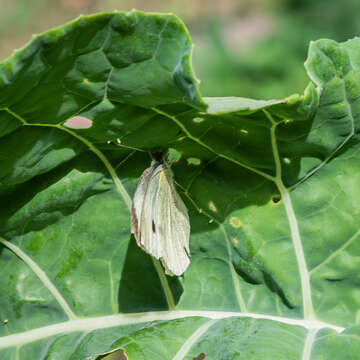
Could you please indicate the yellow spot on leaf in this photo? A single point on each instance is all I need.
(235, 222)
(212, 206)
(193, 161)
(198, 120)
(286, 160)
(235, 241)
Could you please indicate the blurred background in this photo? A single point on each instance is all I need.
(249, 48)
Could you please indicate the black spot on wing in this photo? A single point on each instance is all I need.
(153, 226)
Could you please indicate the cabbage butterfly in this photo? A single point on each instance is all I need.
(159, 218)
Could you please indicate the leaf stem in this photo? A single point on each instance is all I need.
(164, 283)
(309, 342)
(299, 253)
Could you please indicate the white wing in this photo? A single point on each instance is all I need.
(173, 226)
(137, 204)
(160, 221)
(143, 212)
(148, 217)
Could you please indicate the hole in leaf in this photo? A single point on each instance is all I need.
(276, 198)
(78, 122)
(333, 280)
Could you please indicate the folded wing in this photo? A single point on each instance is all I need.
(174, 227)
(160, 221)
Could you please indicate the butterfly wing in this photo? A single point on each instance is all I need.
(174, 227)
(137, 204)
(160, 221)
(144, 212)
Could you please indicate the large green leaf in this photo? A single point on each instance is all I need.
(272, 189)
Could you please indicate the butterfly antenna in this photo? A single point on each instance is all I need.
(118, 143)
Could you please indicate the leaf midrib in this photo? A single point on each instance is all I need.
(103, 322)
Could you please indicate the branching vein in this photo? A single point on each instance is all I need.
(309, 341)
(184, 350)
(294, 228)
(118, 185)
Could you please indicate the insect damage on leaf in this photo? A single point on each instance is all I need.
(113, 355)
(78, 122)
(275, 198)
(200, 356)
